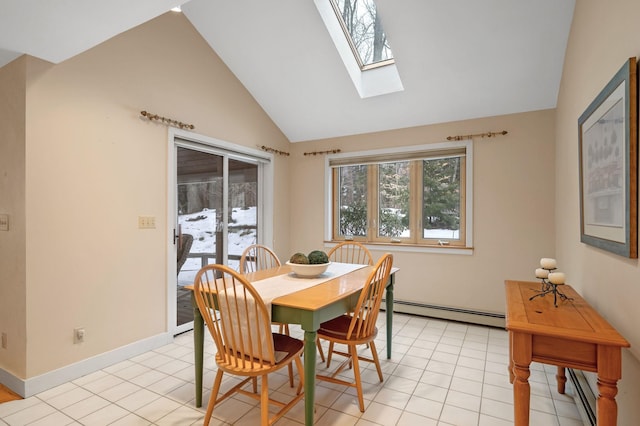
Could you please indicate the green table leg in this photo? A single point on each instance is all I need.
(198, 345)
(309, 375)
(389, 311)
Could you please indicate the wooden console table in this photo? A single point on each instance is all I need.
(572, 335)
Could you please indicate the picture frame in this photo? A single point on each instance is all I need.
(608, 158)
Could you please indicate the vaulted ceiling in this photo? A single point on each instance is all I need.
(457, 59)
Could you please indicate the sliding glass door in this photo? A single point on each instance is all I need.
(217, 212)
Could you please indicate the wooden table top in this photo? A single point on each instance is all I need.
(318, 296)
(571, 319)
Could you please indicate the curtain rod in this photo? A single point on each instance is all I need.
(477, 135)
(168, 121)
(272, 150)
(329, 151)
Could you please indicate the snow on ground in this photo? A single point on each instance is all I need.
(202, 225)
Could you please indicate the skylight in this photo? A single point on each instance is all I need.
(362, 26)
(376, 73)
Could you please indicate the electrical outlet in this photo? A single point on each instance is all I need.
(146, 222)
(78, 335)
(4, 340)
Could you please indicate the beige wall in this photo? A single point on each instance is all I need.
(12, 202)
(92, 166)
(513, 208)
(603, 36)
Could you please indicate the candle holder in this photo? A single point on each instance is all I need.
(546, 285)
(550, 288)
(553, 289)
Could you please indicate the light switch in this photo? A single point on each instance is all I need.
(146, 222)
(4, 222)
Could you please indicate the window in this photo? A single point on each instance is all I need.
(412, 195)
(362, 27)
(362, 45)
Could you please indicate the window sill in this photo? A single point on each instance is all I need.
(410, 248)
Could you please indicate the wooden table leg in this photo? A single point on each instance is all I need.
(198, 349)
(561, 379)
(609, 372)
(521, 354)
(389, 306)
(309, 375)
(510, 367)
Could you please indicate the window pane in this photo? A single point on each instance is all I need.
(352, 199)
(393, 200)
(441, 198)
(362, 23)
(243, 209)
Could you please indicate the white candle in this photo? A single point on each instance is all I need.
(556, 277)
(548, 263)
(541, 273)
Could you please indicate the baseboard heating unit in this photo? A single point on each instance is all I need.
(448, 313)
(584, 397)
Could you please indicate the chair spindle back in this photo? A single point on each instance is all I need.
(366, 311)
(351, 252)
(236, 317)
(257, 257)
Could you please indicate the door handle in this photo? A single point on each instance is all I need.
(177, 234)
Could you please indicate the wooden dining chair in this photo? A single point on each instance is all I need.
(346, 252)
(239, 323)
(350, 252)
(359, 328)
(257, 257)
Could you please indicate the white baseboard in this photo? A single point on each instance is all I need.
(34, 385)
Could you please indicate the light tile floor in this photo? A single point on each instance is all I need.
(440, 373)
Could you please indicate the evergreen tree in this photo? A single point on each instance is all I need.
(393, 198)
(353, 200)
(441, 195)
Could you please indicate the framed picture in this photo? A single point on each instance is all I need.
(608, 143)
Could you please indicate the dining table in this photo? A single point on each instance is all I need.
(309, 304)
